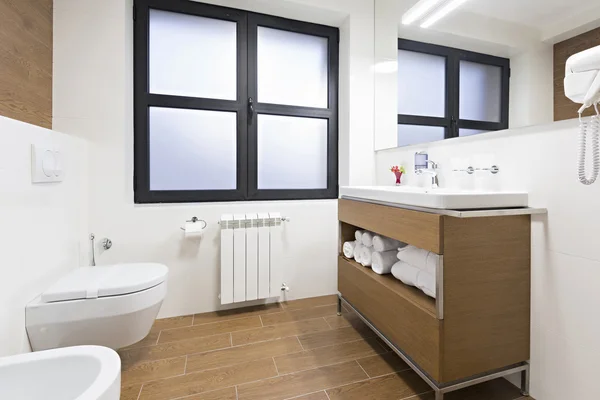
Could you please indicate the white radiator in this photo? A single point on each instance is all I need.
(251, 266)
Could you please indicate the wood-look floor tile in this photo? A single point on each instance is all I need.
(174, 349)
(152, 370)
(214, 328)
(292, 385)
(200, 382)
(335, 336)
(389, 387)
(313, 396)
(382, 364)
(171, 323)
(149, 340)
(279, 331)
(298, 315)
(160, 324)
(235, 313)
(310, 302)
(327, 355)
(499, 389)
(130, 392)
(240, 354)
(344, 321)
(221, 394)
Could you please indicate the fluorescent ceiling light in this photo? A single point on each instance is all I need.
(442, 12)
(418, 10)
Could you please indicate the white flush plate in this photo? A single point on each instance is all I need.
(46, 164)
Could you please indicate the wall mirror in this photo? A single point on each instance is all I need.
(446, 69)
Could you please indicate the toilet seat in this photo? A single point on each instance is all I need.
(113, 280)
(113, 306)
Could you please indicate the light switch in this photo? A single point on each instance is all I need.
(46, 164)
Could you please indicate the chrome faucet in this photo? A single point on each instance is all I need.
(423, 165)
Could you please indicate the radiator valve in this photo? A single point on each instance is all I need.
(285, 287)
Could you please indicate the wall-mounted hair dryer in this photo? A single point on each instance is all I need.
(582, 85)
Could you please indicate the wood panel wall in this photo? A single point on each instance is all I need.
(563, 107)
(26, 61)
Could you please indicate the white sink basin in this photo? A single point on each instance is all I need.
(445, 199)
(70, 373)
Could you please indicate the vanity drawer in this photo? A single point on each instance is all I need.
(402, 313)
(418, 228)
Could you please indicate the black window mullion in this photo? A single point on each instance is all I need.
(192, 103)
(293, 111)
(480, 125)
(252, 84)
(452, 94)
(421, 120)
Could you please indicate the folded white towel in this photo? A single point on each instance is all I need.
(357, 251)
(367, 238)
(382, 262)
(366, 256)
(382, 243)
(358, 235)
(423, 259)
(426, 282)
(406, 273)
(348, 249)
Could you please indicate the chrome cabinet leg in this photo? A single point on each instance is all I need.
(339, 306)
(525, 381)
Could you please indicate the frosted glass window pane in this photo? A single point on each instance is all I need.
(421, 84)
(480, 91)
(414, 134)
(292, 68)
(192, 56)
(470, 132)
(292, 152)
(192, 149)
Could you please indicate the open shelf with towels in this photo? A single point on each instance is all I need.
(395, 287)
(480, 320)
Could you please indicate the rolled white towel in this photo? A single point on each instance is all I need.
(426, 282)
(423, 259)
(382, 243)
(366, 256)
(358, 235)
(382, 262)
(348, 249)
(367, 238)
(406, 273)
(357, 251)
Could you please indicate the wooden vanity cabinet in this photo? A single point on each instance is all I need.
(480, 321)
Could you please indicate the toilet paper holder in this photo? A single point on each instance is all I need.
(195, 220)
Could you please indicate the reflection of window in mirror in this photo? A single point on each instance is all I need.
(445, 92)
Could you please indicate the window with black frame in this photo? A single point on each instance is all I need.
(232, 105)
(445, 92)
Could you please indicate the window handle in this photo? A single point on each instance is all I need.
(250, 108)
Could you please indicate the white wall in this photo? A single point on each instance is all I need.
(93, 99)
(565, 255)
(42, 227)
(532, 87)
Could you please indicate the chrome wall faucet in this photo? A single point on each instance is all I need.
(423, 165)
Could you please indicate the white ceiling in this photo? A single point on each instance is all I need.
(532, 13)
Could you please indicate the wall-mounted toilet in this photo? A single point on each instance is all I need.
(113, 306)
